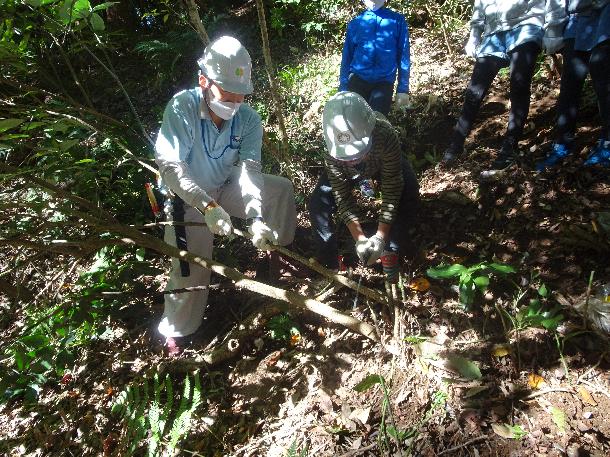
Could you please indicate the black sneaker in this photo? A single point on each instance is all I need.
(505, 159)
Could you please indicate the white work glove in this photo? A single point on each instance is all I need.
(402, 101)
(552, 42)
(369, 249)
(473, 44)
(217, 220)
(262, 236)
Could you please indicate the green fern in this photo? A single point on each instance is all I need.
(145, 416)
(293, 450)
(183, 417)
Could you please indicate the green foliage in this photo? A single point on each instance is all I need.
(464, 367)
(470, 279)
(55, 335)
(293, 450)
(535, 315)
(156, 417)
(282, 327)
(165, 53)
(313, 17)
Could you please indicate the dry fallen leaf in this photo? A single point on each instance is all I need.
(273, 358)
(535, 381)
(295, 339)
(420, 284)
(501, 350)
(360, 414)
(586, 396)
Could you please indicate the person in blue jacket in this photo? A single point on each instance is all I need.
(376, 49)
(585, 39)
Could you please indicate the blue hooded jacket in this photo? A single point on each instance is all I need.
(376, 47)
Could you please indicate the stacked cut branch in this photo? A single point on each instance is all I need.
(103, 222)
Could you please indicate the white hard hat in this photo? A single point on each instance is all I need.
(226, 62)
(348, 123)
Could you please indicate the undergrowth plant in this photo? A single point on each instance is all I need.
(155, 417)
(400, 436)
(470, 279)
(283, 328)
(536, 313)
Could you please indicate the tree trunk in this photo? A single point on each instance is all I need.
(195, 20)
(277, 104)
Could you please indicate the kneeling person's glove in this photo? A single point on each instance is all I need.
(369, 250)
(375, 248)
(217, 220)
(262, 236)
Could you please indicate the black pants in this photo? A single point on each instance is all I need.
(377, 95)
(322, 207)
(522, 63)
(576, 66)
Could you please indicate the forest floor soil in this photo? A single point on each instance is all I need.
(277, 395)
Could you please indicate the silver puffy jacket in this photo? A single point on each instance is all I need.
(492, 16)
(578, 6)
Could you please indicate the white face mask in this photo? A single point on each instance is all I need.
(224, 110)
(373, 5)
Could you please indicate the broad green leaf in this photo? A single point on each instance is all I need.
(368, 382)
(501, 268)
(559, 418)
(447, 271)
(22, 360)
(67, 144)
(542, 291)
(552, 323)
(84, 161)
(35, 341)
(97, 23)
(464, 367)
(32, 126)
(467, 290)
(481, 282)
(140, 254)
(34, 3)
(73, 10)
(514, 432)
(103, 6)
(7, 124)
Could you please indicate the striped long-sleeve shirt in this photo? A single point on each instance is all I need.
(381, 163)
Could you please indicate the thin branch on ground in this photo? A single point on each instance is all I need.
(463, 445)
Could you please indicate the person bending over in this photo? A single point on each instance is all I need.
(361, 143)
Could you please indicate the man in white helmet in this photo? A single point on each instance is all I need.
(362, 144)
(209, 154)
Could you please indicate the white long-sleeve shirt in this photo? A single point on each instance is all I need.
(492, 16)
